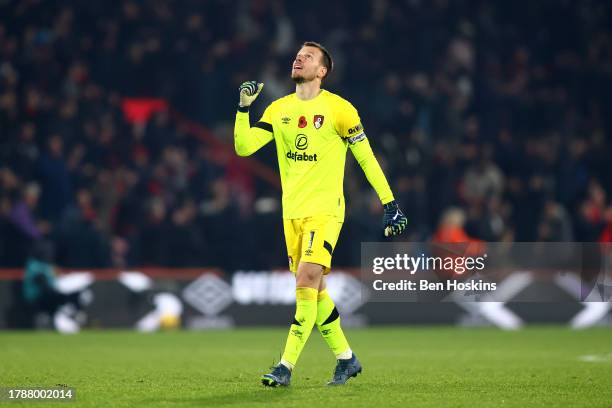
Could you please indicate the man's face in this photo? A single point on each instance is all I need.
(308, 65)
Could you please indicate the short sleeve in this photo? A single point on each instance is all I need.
(348, 123)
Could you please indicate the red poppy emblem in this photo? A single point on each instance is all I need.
(317, 121)
(302, 122)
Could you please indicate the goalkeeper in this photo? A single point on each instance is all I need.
(312, 129)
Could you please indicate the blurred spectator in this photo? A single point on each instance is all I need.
(186, 244)
(23, 213)
(81, 243)
(488, 221)
(55, 179)
(451, 228)
(555, 224)
(606, 234)
(154, 243)
(482, 179)
(590, 217)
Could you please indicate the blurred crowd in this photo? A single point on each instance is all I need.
(488, 117)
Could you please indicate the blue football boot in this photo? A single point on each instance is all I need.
(346, 369)
(280, 375)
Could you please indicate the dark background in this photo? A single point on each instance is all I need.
(490, 119)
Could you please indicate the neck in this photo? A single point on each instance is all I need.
(308, 90)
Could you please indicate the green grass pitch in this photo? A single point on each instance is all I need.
(403, 367)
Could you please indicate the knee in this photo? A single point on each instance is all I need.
(309, 275)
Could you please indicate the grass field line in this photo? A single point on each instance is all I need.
(596, 358)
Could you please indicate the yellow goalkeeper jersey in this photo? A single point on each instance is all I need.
(311, 139)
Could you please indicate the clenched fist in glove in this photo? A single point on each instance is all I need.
(249, 91)
(394, 220)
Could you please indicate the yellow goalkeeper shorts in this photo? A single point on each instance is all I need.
(311, 239)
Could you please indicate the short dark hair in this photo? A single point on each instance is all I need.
(327, 59)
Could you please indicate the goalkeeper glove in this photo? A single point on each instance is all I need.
(394, 220)
(249, 91)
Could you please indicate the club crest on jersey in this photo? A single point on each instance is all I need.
(302, 122)
(317, 121)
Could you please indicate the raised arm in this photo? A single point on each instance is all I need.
(247, 139)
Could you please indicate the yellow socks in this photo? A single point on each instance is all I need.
(328, 321)
(305, 318)
(314, 307)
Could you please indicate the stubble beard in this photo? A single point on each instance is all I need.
(298, 79)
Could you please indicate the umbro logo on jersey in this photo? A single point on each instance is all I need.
(286, 120)
(317, 121)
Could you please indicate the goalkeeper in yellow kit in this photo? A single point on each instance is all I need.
(312, 129)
